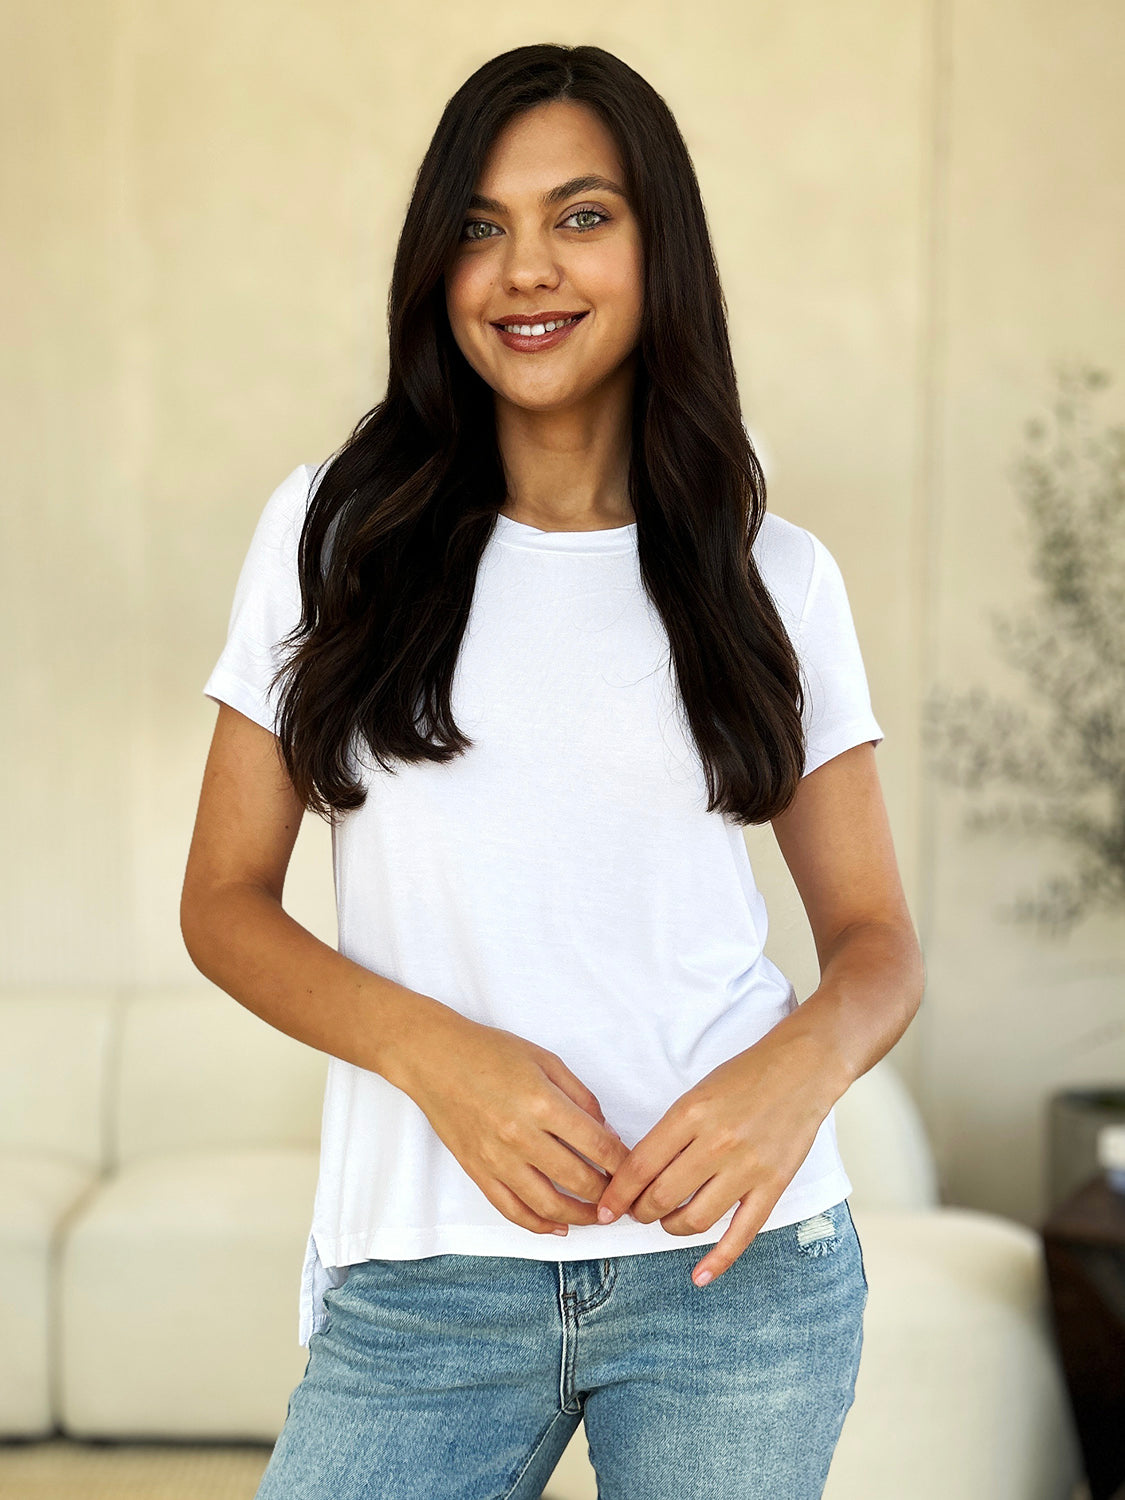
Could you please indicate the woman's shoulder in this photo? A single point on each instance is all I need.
(785, 554)
(283, 513)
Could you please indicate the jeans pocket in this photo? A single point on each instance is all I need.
(859, 1248)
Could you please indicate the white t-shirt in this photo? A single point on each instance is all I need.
(561, 879)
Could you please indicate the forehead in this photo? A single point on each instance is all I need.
(541, 156)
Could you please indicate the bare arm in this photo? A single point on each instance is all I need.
(240, 937)
(511, 1112)
(740, 1135)
(836, 839)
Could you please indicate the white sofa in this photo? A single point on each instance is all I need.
(158, 1157)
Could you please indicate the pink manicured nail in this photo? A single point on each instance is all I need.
(704, 1277)
(605, 1215)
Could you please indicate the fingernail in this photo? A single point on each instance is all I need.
(605, 1215)
(703, 1278)
(558, 1231)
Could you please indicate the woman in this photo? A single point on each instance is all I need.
(533, 644)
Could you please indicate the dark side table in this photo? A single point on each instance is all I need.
(1084, 1243)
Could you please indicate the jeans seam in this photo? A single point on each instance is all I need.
(542, 1438)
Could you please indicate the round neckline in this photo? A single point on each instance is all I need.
(607, 539)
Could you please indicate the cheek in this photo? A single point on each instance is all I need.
(620, 287)
(465, 295)
(635, 284)
(624, 306)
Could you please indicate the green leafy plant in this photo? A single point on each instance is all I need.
(1065, 754)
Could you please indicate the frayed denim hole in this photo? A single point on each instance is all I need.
(818, 1234)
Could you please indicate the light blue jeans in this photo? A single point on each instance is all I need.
(463, 1377)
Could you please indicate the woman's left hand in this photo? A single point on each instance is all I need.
(738, 1136)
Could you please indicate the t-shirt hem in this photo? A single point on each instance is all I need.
(327, 1255)
(625, 1237)
(224, 687)
(844, 737)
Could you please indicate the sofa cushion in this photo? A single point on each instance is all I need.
(199, 1071)
(180, 1285)
(883, 1143)
(959, 1390)
(56, 1055)
(39, 1192)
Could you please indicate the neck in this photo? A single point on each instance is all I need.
(568, 470)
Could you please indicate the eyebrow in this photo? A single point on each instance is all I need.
(576, 185)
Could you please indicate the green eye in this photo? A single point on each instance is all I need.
(596, 213)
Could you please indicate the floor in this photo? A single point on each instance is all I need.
(62, 1469)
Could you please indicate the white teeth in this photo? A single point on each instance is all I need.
(534, 330)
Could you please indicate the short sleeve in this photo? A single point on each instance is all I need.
(838, 711)
(267, 606)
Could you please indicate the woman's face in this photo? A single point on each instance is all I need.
(519, 257)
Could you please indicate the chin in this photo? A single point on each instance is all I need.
(528, 401)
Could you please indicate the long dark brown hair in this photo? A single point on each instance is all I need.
(399, 518)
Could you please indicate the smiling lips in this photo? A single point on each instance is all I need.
(541, 337)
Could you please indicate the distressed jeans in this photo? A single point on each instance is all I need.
(463, 1377)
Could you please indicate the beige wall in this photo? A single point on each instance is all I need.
(917, 207)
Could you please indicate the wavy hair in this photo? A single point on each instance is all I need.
(402, 512)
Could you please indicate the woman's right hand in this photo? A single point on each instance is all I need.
(510, 1111)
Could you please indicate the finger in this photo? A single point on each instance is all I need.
(702, 1211)
(570, 1085)
(514, 1208)
(595, 1140)
(567, 1170)
(683, 1194)
(738, 1235)
(602, 1162)
(647, 1160)
(537, 1190)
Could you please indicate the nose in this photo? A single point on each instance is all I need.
(529, 263)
